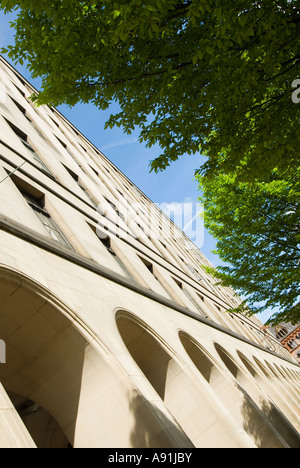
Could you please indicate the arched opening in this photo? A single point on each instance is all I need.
(204, 364)
(261, 367)
(158, 366)
(44, 362)
(292, 390)
(251, 369)
(262, 415)
(278, 379)
(180, 390)
(44, 430)
(276, 396)
(59, 385)
(152, 358)
(232, 397)
(226, 392)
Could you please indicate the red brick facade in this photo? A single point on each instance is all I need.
(292, 343)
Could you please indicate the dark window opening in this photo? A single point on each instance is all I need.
(38, 206)
(106, 241)
(147, 264)
(24, 139)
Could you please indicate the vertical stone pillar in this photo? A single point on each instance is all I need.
(13, 433)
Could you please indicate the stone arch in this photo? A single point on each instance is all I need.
(45, 354)
(223, 388)
(205, 362)
(271, 369)
(56, 364)
(277, 376)
(42, 427)
(265, 382)
(276, 385)
(175, 384)
(263, 368)
(283, 378)
(264, 418)
(155, 360)
(151, 354)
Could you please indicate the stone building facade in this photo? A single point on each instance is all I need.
(111, 336)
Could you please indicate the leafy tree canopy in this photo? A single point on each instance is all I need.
(205, 76)
(258, 233)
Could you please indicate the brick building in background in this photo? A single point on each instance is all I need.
(289, 337)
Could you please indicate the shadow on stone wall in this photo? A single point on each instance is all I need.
(261, 432)
(153, 429)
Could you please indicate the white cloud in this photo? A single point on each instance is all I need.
(117, 143)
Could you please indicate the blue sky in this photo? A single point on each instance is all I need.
(175, 184)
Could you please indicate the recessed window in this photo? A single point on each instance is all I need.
(147, 264)
(64, 145)
(94, 170)
(188, 295)
(55, 123)
(282, 332)
(38, 206)
(24, 112)
(108, 245)
(76, 178)
(96, 205)
(82, 146)
(292, 344)
(21, 108)
(20, 90)
(194, 271)
(24, 139)
(178, 283)
(119, 214)
(150, 267)
(72, 174)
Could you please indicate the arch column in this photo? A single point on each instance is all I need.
(275, 390)
(13, 433)
(293, 390)
(278, 380)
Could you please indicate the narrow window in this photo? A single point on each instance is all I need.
(194, 271)
(185, 291)
(94, 170)
(76, 178)
(21, 108)
(107, 244)
(64, 145)
(95, 204)
(147, 264)
(118, 213)
(292, 344)
(24, 139)
(283, 332)
(20, 90)
(150, 267)
(49, 224)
